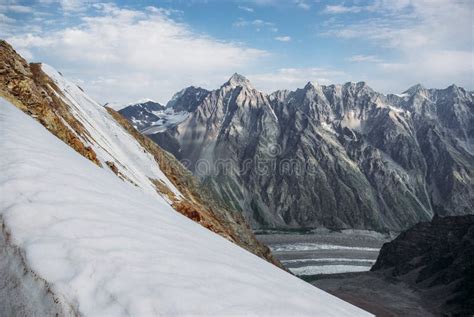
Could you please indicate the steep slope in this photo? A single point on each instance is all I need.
(103, 137)
(81, 242)
(339, 156)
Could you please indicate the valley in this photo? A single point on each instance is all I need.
(321, 251)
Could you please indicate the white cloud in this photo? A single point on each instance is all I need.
(248, 9)
(363, 58)
(292, 78)
(285, 38)
(406, 24)
(432, 69)
(15, 8)
(124, 54)
(337, 9)
(430, 41)
(302, 4)
(71, 5)
(258, 24)
(5, 19)
(374, 6)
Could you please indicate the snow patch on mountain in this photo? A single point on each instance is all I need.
(109, 140)
(166, 119)
(351, 120)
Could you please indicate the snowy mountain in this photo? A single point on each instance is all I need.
(187, 99)
(142, 114)
(99, 221)
(339, 156)
(150, 117)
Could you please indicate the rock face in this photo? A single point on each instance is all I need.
(187, 99)
(103, 136)
(339, 156)
(437, 258)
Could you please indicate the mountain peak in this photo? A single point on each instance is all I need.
(238, 80)
(187, 99)
(310, 85)
(144, 101)
(414, 89)
(453, 87)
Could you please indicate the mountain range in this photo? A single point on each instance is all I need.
(337, 156)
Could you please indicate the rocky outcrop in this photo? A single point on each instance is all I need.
(436, 258)
(339, 156)
(29, 88)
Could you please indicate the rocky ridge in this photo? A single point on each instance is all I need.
(437, 258)
(338, 156)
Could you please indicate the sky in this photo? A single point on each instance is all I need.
(123, 51)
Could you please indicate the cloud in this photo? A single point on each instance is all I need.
(258, 24)
(337, 9)
(285, 4)
(374, 6)
(15, 8)
(407, 24)
(302, 4)
(71, 5)
(5, 19)
(428, 41)
(248, 9)
(124, 54)
(285, 38)
(363, 58)
(292, 78)
(433, 69)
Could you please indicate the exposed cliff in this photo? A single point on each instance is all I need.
(436, 258)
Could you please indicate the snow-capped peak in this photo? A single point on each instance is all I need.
(414, 89)
(143, 100)
(311, 84)
(238, 80)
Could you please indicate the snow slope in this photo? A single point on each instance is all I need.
(108, 139)
(106, 248)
